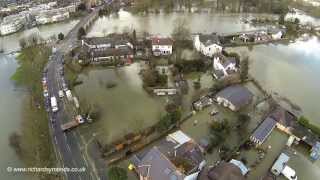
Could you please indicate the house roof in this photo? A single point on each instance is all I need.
(280, 163)
(161, 41)
(241, 166)
(112, 39)
(180, 159)
(112, 52)
(283, 117)
(222, 171)
(264, 129)
(238, 95)
(158, 167)
(209, 39)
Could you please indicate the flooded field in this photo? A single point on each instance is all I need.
(125, 108)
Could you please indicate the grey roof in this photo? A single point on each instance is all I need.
(113, 39)
(280, 163)
(208, 39)
(238, 95)
(158, 167)
(264, 130)
(283, 117)
(189, 152)
(179, 160)
(222, 171)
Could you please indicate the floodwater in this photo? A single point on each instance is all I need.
(291, 70)
(125, 108)
(10, 111)
(163, 24)
(11, 42)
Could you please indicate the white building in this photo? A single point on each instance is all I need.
(11, 24)
(52, 16)
(224, 66)
(161, 46)
(208, 45)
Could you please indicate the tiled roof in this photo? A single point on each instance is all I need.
(161, 41)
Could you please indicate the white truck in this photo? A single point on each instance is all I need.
(54, 104)
(69, 95)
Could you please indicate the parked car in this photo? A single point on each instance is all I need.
(61, 95)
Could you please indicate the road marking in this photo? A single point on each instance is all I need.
(85, 160)
(68, 147)
(55, 139)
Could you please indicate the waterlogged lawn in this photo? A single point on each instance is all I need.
(125, 107)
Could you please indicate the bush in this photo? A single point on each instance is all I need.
(305, 122)
(60, 36)
(244, 69)
(168, 121)
(117, 173)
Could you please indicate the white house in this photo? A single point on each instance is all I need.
(208, 45)
(224, 66)
(161, 46)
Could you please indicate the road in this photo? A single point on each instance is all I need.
(68, 145)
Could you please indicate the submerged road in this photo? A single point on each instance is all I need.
(68, 145)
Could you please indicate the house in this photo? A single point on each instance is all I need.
(224, 66)
(222, 171)
(103, 43)
(234, 97)
(202, 102)
(285, 119)
(161, 46)
(280, 163)
(207, 44)
(176, 157)
(108, 49)
(11, 24)
(124, 54)
(281, 167)
(263, 131)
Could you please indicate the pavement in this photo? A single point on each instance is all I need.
(69, 146)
